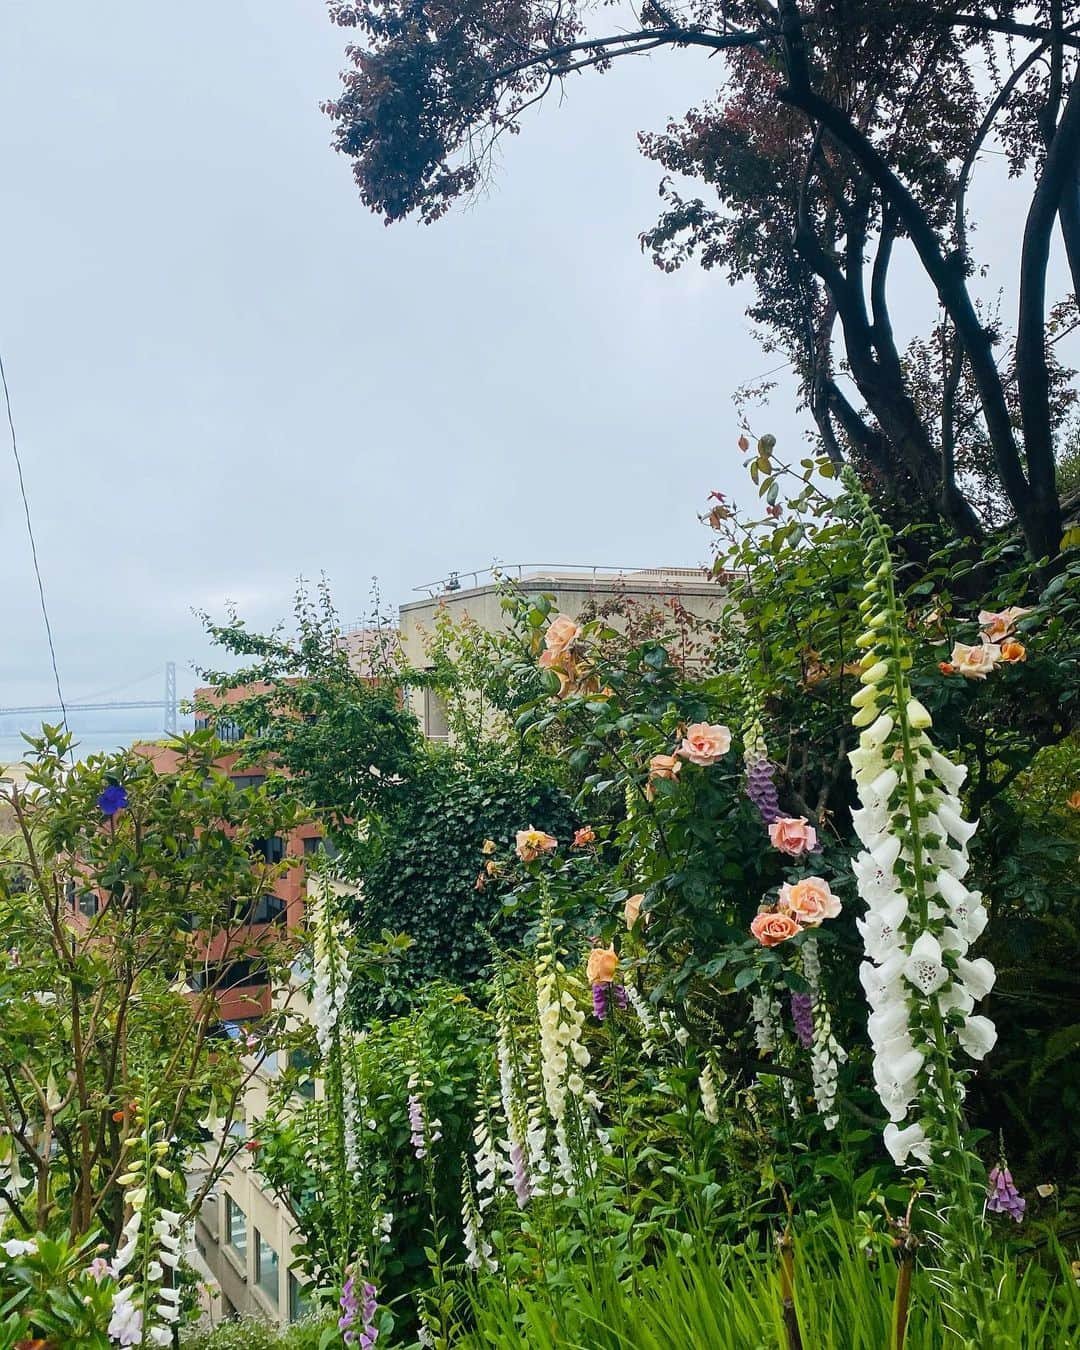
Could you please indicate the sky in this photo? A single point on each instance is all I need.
(225, 373)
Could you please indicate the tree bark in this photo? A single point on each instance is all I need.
(1042, 522)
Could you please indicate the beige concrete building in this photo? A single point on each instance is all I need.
(478, 596)
(244, 1238)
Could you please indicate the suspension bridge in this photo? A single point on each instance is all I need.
(168, 704)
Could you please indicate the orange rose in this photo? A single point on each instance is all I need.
(586, 835)
(793, 835)
(602, 965)
(809, 901)
(771, 928)
(531, 844)
(946, 667)
(632, 908)
(705, 743)
(1011, 651)
(561, 632)
(1074, 801)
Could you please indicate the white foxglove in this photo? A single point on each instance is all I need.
(921, 919)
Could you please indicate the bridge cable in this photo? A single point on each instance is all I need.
(33, 545)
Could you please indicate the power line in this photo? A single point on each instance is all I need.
(33, 544)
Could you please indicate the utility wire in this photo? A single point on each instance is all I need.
(33, 545)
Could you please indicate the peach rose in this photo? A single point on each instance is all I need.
(602, 966)
(793, 835)
(998, 624)
(705, 743)
(771, 928)
(531, 844)
(946, 667)
(809, 901)
(1011, 651)
(561, 632)
(1073, 802)
(586, 835)
(975, 662)
(488, 847)
(661, 766)
(632, 908)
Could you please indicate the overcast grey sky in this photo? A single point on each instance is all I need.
(225, 372)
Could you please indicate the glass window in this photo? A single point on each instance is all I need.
(247, 780)
(301, 1063)
(267, 909)
(436, 727)
(266, 1268)
(88, 903)
(299, 1303)
(235, 1226)
(320, 845)
(269, 850)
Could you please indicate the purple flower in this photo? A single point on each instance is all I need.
(112, 800)
(620, 997)
(416, 1125)
(365, 1307)
(802, 1017)
(1002, 1197)
(761, 789)
(599, 1001)
(522, 1184)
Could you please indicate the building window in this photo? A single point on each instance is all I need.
(247, 780)
(269, 850)
(299, 1304)
(301, 1064)
(317, 844)
(229, 975)
(436, 727)
(264, 909)
(88, 903)
(235, 1226)
(266, 1268)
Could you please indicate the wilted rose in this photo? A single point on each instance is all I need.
(531, 844)
(998, 624)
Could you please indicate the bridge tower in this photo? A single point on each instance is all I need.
(170, 698)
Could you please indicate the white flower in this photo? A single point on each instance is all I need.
(924, 966)
(955, 997)
(978, 1036)
(977, 976)
(953, 824)
(878, 732)
(952, 775)
(15, 1247)
(709, 1104)
(908, 1141)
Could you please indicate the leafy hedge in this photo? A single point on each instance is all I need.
(422, 862)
